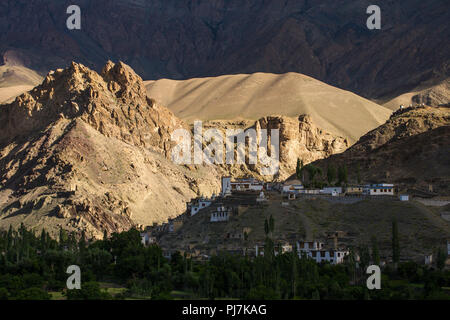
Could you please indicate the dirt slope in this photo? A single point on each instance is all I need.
(253, 96)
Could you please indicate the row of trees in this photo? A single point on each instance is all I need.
(312, 176)
(32, 266)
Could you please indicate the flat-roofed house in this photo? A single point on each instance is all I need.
(309, 245)
(147, 239)
(382, 189)
(331, 256)
(246, 184)
(354, 190)
(196, 205)
(334, 191)
(292, 186)
(315, 250)
(221, 214)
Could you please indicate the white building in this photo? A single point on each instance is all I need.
(314, 250)
(309, 191)
(226, 186)
(383, 189)
(292, 186)
(334, 191)
(404, 197)
(331, 256)
(285, 248)
(309, 245)
(147, 239)
(247, 184)
(196, 205)
(222, 214)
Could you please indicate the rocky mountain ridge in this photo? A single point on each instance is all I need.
(89, 151)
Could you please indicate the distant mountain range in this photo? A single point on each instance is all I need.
(182, 39)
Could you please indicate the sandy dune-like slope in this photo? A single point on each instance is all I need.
(256, 95)
(15, 80)
(8, 94)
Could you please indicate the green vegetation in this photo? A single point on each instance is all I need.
(395, 242)
(331, 174)
(299, 169)
(120, 267)
(342, 175)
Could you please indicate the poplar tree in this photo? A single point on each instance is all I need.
(298, 169)
(271, 224)
(331, 174)
(266, 227)
(358, 174)
(375, 251)
(395, 243)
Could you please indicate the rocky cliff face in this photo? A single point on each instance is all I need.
(410, 150)
(301, 139)
(113, 102)
(90, 151)
(435, 95)
(327, 40)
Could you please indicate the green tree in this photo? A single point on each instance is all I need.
(441, 258)
(312, 171)
(271, 224)
(33, 294)
(342, 175)
(43, 240)
(298, 169)
(4, 294)
(262, 292)
(88, 291)
(63, 237)
(364, 254)
(331, 174)
(315, 295)
(395, 242)
(82, 242)
(358, 174)
(266, 227)
(375, 251)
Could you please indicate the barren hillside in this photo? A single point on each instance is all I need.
(258, 95)
(411, 149)
(89, 151)
(432, 95)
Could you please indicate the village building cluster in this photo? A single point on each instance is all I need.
(294, 188)
(310, 250)
(237, 195)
